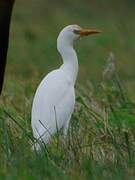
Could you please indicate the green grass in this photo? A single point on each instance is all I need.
(100, 142)
(101, 138)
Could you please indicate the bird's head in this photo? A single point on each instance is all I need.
(71, 33)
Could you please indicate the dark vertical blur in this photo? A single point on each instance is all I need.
(5, 16)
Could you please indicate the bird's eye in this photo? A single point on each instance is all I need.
(76, 31)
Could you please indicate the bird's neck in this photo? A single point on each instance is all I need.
(70, 62)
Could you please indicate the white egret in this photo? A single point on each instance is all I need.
(54, 99)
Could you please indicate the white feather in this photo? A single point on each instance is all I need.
(54, 100)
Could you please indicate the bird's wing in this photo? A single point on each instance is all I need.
(55, 91)
(53, 87)
(5, 16)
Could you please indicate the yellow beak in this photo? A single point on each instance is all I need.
(86, 32)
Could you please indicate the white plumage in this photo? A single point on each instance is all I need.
(54, 99)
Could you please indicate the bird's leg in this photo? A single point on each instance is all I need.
(66, 127)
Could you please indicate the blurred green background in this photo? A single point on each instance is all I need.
(36, 25)
(98, 148)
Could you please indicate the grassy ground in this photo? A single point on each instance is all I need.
(101, 139)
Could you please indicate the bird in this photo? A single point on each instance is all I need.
(6, 7)
(54, 100)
